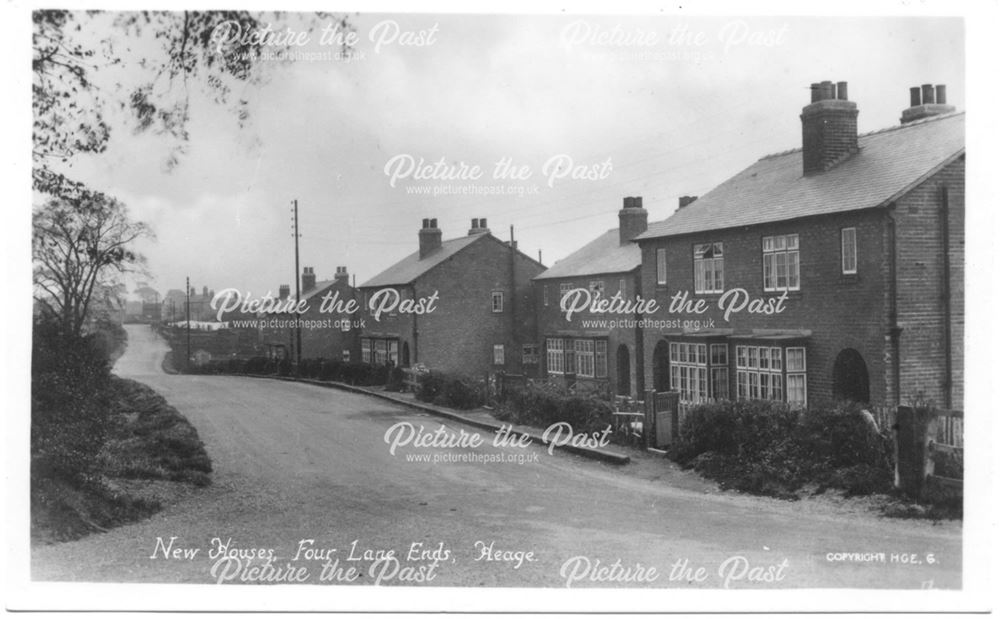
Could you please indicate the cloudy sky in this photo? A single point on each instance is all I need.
(657, 106)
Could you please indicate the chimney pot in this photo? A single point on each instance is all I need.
(482, 222)
(814, 92)
(915, 96)
(842, 91)
(284, 291)
(826, 90)
(927, 93)
(434, 223)
(940, 95)
(475, 223)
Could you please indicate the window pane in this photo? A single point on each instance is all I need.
(793, 270)
(781, 269)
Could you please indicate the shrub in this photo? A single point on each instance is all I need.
(766, 448)
(544, 405)
(258, 365)
(70, 387)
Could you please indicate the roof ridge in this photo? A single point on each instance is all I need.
(912, 123)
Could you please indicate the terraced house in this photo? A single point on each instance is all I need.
(841, 265)
(599, 352)
(477, 316)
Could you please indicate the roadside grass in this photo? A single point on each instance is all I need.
(150, 456)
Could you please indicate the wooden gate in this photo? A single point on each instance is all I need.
(662, 418)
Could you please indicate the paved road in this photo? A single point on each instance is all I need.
(297, 462)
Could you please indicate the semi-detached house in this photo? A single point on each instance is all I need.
(483, 317)
(858, 240)
(603, 353)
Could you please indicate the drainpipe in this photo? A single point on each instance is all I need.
(415, 356)
(946, 294)
(894, 328)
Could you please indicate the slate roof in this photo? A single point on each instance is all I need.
(602, 255)
(889, 163)
(412, 267)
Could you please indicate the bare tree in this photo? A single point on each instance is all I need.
(77, 246)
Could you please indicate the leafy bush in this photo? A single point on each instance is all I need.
(544, 405)
(766, 448)
(70, 386)
(450, 390)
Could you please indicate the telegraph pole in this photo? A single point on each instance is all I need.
(298, 292)
(187, 292)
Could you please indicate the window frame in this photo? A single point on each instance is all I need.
(713, 268)
(496, 295)
(779, 246)
(844, 268)
(554, 353)
(661, 266)
(499, 354)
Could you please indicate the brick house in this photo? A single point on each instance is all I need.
(483, 316)
(595, 350)
(855, 244)
(324, 334)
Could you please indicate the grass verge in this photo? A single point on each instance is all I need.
(151, 455)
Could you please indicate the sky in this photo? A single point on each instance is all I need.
(651, 106)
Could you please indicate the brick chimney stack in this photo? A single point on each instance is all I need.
(284, 291)
(478, 226)
(430, 237)
(341, 275)
(685, 200)
(308, 279)
(632, 220)
(927, 100)
(829, 128)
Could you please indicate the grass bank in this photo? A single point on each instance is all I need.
(150, 456)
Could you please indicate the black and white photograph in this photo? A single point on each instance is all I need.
(507, 308)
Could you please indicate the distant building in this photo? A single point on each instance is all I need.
(484, 313)
(325, 334)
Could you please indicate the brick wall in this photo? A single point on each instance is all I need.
(552, 323)
(841, 311)
(921, 289)
(459, 336)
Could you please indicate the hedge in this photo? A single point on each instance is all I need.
(766, 448)
(544, 405)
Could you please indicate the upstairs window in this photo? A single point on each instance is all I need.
(497, 299)
(708, 268)
(781, 262)
(849, 251)
(597, 287)
(661, 266)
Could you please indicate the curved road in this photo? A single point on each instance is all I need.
(298, 462)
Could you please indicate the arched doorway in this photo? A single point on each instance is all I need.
(850, 377)
(624, 371)
(661, 366)
(405, 357)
